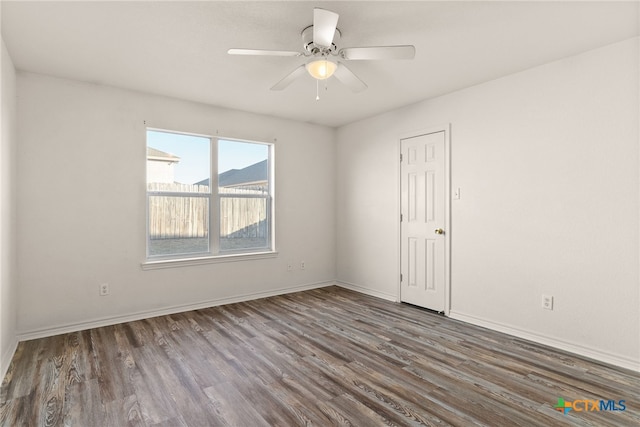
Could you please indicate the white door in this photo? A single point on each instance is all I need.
(423, 233)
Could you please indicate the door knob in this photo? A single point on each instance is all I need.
(439, 231)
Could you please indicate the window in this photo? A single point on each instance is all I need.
(207, 196)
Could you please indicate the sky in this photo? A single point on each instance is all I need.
(194, 153)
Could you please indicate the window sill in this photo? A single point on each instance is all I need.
(186, 262)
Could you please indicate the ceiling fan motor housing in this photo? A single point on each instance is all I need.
(312, 48)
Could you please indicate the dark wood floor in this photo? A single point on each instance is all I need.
(323, 357)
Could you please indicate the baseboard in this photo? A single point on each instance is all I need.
(367, 291)
(602, 356)
(6, 358)
(108, 321)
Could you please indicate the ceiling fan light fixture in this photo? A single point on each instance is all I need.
(321, 69)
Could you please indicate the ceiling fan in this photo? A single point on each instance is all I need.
(325, 60)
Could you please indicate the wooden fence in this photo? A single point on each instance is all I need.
(182, 217)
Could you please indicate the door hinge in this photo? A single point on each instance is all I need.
(400, 217)
(401, 277)
(400, 156)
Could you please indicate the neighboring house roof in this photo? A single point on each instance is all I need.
(154, 154)
(257, 172)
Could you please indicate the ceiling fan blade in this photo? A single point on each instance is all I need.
(263, 52)
(324, 26)
(346, 77)
(289, 78)
(378, 52)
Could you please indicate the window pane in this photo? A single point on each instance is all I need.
(243, 223)
(177, 162)
(178, 225)
(243, 186)
(243, 166)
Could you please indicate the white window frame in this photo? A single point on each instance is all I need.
(214, 254)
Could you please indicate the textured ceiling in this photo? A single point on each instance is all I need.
(179, 48)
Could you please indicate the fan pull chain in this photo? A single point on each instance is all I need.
(317, 90)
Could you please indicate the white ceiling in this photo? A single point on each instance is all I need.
(179, 48)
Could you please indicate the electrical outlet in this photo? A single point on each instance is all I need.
(302, 265)
(104, 289)
(547, 302)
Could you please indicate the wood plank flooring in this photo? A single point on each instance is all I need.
(323, 357)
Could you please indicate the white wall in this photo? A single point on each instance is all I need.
(8, 274)
(547, 161)
(81, 186)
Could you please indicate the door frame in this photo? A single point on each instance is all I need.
(446, 128)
